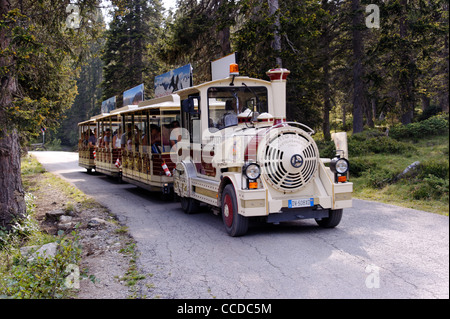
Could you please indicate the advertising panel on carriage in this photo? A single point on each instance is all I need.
(173, 81)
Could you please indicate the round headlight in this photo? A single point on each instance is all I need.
(252, 171)
(339, 165)
(342, 166)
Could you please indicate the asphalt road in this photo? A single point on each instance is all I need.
(377, 251)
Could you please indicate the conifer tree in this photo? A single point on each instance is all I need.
(125, 58)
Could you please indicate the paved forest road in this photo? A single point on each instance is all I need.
(378, 250)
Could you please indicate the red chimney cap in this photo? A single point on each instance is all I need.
(278, 74)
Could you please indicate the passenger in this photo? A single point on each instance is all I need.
(116, 138)
(106, 141)
(137, 139)
(85, 137)
(230, 117)
(165, 136)
(124, 137)
(129, 141)
(144, 140)
(92, 139)
(175, 135)
(155, 138)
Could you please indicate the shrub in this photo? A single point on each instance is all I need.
(327, 149)
(41, 278)
(360, 165)
(431, 187)
(438, 168)
(358, 145)
(435, 125)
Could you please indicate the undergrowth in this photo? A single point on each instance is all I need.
(36, 277)
(378, 161)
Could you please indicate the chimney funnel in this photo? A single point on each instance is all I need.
(278, 78)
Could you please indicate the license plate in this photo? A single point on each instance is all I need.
(303, 202)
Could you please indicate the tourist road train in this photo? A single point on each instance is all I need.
(226, 144)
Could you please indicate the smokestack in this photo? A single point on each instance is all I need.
(278, 78)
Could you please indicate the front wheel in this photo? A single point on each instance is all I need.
(235, 224)
(189, 205)
(333, 219)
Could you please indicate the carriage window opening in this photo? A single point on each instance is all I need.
(127, 136)
(226, 103)
(170, 129)
(190, 121)
(140, 142)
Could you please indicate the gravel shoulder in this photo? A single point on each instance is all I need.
(108, 253)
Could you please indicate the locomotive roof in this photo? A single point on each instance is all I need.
(222, 82)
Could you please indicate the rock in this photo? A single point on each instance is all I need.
(406, 171)
(45, 251)
(65, 226)
(54, 215)
(24, 251)
(65, 219)
(96, 222)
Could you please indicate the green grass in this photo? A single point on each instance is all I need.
(426, 188)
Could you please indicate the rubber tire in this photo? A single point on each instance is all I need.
(189, 205)
(333, 220)
(235, 224)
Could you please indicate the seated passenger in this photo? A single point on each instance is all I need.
(124, 137)
(230, 117)
(155, 133)
(107, 138)
(92, 139)
(175, 134)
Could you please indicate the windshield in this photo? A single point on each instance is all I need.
(226, 103)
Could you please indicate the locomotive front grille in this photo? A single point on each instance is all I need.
(289, 161)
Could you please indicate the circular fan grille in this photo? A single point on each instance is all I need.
(289, 161)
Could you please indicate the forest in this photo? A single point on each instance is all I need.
(355, 64)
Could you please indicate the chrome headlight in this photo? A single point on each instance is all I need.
(339, 165)
(252, 171)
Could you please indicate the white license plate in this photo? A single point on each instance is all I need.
(303, 202)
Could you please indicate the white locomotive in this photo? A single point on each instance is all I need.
(237, 153)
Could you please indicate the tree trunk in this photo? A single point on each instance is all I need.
(224, 38)
(325, 52)
(358, 85)
(406, 81)
(370, 114)
(443, 99)
(326, 100)
(276, 43)
(12, 200)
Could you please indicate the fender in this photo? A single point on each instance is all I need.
(183, 173)
(233, 178)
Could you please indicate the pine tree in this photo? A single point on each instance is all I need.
(200, 33)
(131, 31)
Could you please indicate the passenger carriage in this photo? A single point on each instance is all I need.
(86, 151)
(146, 160)
(109, 149)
